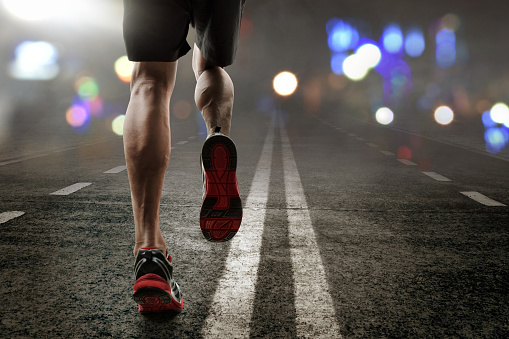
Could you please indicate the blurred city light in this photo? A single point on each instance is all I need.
(451, 22)
(336, 63)
(392, 39)
(354, 67)
(33, 10)
(444, 115)
(487, 120)
(285, 83)
(341, 36)
(499, 113)
(415, 43)
(369, 54)
(87, 88)
(404, 152)
(76, 116)
(124, 68)
(384, 116)
(35, 60)
(446, 48)
(182, 109)
(118, 125)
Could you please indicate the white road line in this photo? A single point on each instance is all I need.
(6, 216)
(71, 189)
(116, 170)
(360, 139)
(407, 162)
(192, 137)
(372, 145)
(352, 134)
(22, 159)
(315, 314)
(482, 199)
(436, 176)
(387, 153)
(232, 308)
(182, 142)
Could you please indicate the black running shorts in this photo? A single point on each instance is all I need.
(156, 30)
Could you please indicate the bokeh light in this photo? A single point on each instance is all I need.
(124, 68)
(500, 113)
(496, 139)
(182, 110)
(35, 60)
(87, 88)
(354, 68)
(341, 35)
(451, 21)
(118, 125)
(487, 120)
(444, 115)
(285, 83)
(384, 116)
(76, 116)
(446, 48)
(369, 54)
(336, 63)
(392, 39)
(404, 152)
(415, 43)
(32, 10)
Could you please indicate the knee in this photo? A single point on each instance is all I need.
(151, 77)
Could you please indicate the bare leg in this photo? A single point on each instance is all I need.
(213, 93)
(147, 145)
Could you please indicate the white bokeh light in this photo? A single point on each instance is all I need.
(384, 116)
(444, 115)
(34, 10)
(500, 113)
(285, 83)
(35, 60)
(355, 68)
(369, 54)
(118, 125)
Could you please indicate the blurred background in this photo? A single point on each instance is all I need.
(436, 68)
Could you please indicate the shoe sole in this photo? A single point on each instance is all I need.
(221, 210)
(153, 295)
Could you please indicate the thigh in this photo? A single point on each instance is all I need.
(217, 24)
(156, 30)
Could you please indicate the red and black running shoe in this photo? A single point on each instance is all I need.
(155, 290)
(221, 210)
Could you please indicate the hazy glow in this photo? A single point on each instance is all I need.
(118, 125)
(124, 68)
(415, 43)
(496, 139)
(87, 88)
(33, 10)
(336, 63)
(76, 116)
(354, 68)
(182, 110)
(393, 39)
(451, 21)
(444, 115)
(384, 116)
(342, 36)
(500, 113)
(446, 48)
(369, 54)
(35, 60)
(404, 153)
(285, 83)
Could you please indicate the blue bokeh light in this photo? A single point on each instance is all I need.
(392, 39)
(496, 139)
(414, 43)
(487, 120)
(446, 48)
(336, 63)
(342, 36)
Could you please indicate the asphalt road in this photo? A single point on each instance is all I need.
(339, 238)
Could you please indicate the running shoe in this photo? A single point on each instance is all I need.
(155, 290)
(221, 210)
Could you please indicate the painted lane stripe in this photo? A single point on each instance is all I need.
(315, 314)
(482, 199)
(372, 145)
(352, 134)
(360, 139)
(6, 216)
(192, 137)
(22, 159)
(436, 176)
(387, 153)
(71, 189)
(232, 308)
(117, 169)
(182, 142)
(407, 162)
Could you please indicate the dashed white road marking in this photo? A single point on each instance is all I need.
(407, 162)
(387, 152)
(352, 134)
(371, 144)
(482, 199)
(6, 216)
(71, 189)
(192, 137)
(315, 314)
(232, 308)
(116, 170)
(436, 176)
(360, 139)
(182, 142)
